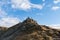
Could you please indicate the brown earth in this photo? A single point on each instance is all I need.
(30, 30)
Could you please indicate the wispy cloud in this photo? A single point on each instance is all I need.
(43, 0)
(5, 19)
(39, 14)
(56, 1)
(8, 21)
(56, 26)
(24, 4)
(2, 13)
(55, 8)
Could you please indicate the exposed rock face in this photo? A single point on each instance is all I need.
(30, 30)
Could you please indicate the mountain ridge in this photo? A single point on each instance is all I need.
(29, 29)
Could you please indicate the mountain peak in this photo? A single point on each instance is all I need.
(30, 20)
(30, 30)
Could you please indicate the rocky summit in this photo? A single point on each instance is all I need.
(30, 30)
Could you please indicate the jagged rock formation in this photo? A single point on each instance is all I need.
(30, 30)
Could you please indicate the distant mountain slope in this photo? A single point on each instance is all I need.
(2, 30)
(30, 30)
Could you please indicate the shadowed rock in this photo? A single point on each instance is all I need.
(30, 30)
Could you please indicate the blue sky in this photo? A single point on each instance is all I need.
(46, 12)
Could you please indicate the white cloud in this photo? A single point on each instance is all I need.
(37, 6)
(5, 19)
(39, 14)
(43, 0)
(24, 4)
(56, 1)
(8, 21)
(2, 13)
(56, 26)
(55, 8)
(20, 4)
